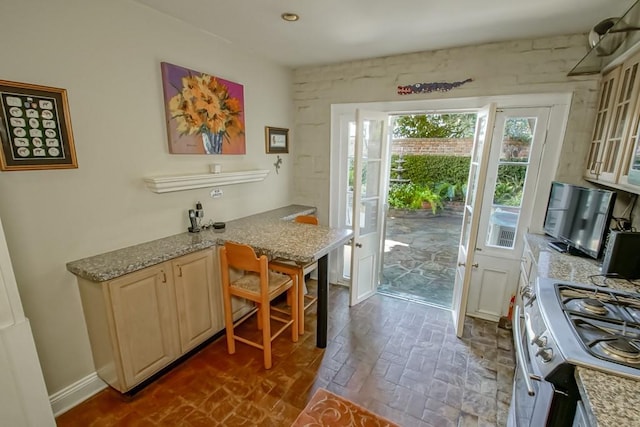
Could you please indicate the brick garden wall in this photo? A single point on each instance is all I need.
(432, 146)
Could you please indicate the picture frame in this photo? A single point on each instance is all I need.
(204, 113)
(35, 128)
(276, 140)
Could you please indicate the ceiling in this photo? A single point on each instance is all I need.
(332, 31)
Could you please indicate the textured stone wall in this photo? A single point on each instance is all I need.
(516, 67)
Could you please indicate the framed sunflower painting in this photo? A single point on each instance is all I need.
(204, 113)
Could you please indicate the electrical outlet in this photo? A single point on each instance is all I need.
(216, 193)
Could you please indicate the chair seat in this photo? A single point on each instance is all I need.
(250, 281)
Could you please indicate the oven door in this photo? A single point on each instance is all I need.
(532, 397)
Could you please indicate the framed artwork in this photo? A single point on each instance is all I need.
(35, 128)
(277, 140)
(204, 114)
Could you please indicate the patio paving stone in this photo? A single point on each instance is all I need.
(420, 257)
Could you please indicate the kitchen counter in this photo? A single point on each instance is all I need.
(254, 230)
(610, 400)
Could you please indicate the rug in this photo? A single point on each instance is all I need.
(328, 409)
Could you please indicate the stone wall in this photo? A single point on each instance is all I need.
(531, 66)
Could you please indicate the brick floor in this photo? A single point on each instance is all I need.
(399, 359)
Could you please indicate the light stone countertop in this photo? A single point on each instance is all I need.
(273, 233)
(610, 400)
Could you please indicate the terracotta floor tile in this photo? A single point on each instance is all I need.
(397, 358)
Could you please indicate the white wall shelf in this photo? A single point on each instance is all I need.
(168, 183)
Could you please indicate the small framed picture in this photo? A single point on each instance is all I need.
(35, 128)
(277, 140)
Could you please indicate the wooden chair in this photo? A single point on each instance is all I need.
(260, 285)
(305, 300)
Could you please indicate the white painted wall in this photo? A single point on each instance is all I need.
(107, 55)
(518, 67)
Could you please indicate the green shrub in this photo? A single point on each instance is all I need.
(425, 169)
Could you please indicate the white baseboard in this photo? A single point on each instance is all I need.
(76, 393)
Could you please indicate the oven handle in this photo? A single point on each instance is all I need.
(517, 338)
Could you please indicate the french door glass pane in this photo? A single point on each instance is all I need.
(516, 139)
(513, 163)
(372, 147)
(371, 179)
(368, 217)
(351, 138)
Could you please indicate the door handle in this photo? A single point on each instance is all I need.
(462, 264)
(358, 245)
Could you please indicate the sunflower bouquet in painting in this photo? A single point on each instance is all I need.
(204, 113)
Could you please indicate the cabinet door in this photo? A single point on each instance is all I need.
(200, 313)
(144, 322)
(607, 92)
(622, 122)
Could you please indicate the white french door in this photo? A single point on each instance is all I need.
(370, 169)
(471, 214)
(515, 152)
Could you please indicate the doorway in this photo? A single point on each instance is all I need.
(429, 171)
(343, 114)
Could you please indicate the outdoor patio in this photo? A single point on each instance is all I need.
(420, 256)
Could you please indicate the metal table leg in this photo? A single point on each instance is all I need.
(323, 302)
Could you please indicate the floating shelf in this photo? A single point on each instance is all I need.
(168, 183)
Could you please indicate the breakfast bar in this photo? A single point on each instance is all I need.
(272, 233)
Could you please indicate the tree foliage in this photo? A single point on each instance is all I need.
(435, 126)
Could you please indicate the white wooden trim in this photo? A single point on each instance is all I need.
(76, 393)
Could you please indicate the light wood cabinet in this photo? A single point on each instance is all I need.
(143, 329)
(141, 322)
(198, 301)
(616, 127)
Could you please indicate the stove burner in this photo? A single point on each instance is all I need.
(593, 305)
(621, 349)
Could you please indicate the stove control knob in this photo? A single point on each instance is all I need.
(539, 341)
(546, 354)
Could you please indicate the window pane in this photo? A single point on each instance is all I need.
(372, 132)
(503, 223)
(371, 179)
(368, 217)
(509, 185)
(516, 139)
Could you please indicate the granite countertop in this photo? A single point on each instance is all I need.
(273, 233)
(610, 400)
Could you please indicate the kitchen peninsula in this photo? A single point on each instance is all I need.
(186, 264)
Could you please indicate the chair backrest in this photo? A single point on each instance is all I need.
(307, 219)
(243, 257)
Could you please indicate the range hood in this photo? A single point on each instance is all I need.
(618, 43)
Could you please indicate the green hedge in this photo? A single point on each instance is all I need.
(453, 171)
(429, 170)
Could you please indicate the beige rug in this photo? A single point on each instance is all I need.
(328, 409)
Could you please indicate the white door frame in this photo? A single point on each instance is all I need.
(558, 102)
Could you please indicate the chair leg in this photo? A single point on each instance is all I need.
(301, 286)
(228, 323)
(266, 332)
(259, 314)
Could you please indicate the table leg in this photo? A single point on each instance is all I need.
(323, 302)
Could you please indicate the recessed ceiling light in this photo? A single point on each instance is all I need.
(291, 17)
